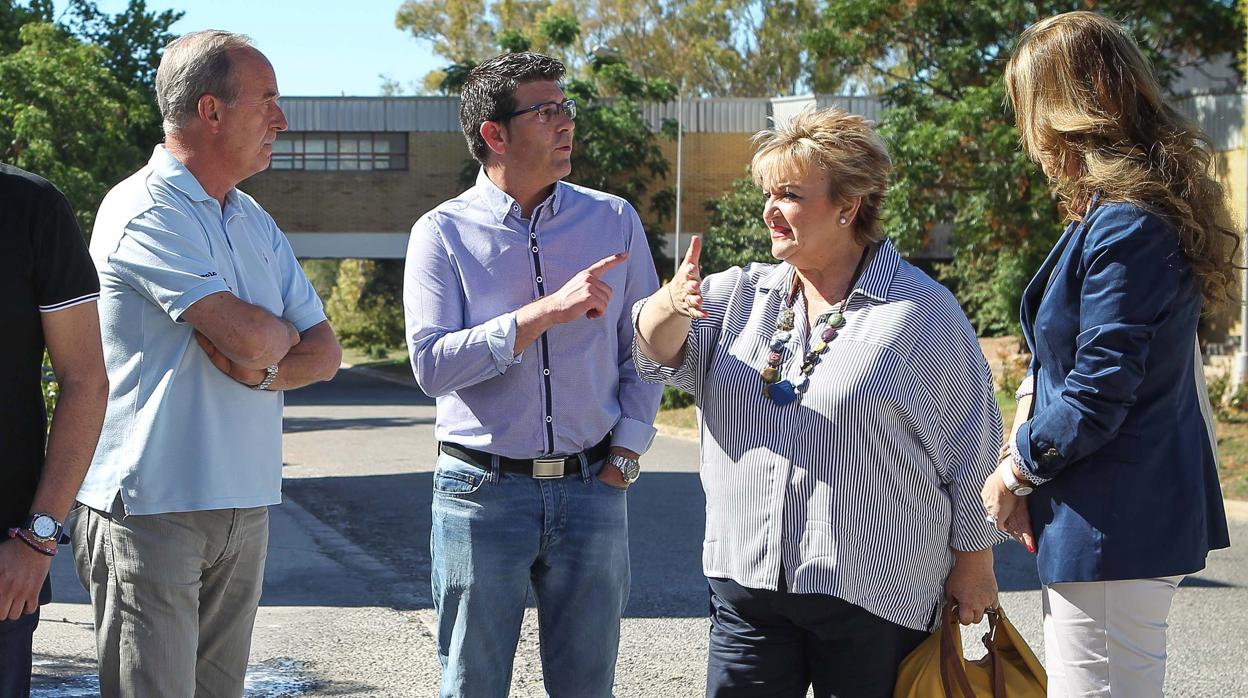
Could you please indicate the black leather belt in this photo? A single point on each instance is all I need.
(541, 468)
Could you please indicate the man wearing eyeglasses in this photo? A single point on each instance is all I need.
(517, 299)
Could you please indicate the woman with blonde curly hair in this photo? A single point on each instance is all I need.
(847, 420)
(1111, 470)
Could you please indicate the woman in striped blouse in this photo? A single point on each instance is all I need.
(847, 422)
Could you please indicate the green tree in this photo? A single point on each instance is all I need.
(736, 235)
(77, 101)
(64, 115)
(953, 143)
(709, 47)
(366, 305)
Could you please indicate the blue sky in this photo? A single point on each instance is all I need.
(317, 47)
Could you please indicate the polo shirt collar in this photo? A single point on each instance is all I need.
(500, 203)
(175, 173)
(875, 281)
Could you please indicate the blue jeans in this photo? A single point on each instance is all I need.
(497, 534)
(16, 645)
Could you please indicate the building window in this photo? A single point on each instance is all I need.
(340, 151)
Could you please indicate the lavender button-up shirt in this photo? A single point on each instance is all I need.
(471, 263)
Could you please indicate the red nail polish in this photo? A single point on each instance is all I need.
(1031, 548)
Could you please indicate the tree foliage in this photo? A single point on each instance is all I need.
(956, 152)
(736, 235)
(739, 48)
(76, 99)
(64, 116)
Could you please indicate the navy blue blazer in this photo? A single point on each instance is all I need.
(1119, 424)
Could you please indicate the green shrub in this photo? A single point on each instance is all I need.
(674, 398)
(366, 305)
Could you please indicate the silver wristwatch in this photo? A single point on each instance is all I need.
(270, 375)
(1012, 483)
(630, 468)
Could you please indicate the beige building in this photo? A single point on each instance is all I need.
(352, 174)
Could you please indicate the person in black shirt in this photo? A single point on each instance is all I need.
(49, 288)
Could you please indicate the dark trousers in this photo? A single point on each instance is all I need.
(775, 644)
(16, 639)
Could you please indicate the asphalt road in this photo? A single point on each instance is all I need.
(346, 609)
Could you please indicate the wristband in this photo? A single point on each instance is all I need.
(25, 536)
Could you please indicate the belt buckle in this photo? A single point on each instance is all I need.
(548, 468)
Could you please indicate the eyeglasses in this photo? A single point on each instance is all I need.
(547, 110)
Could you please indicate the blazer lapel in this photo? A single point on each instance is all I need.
(1034, 292)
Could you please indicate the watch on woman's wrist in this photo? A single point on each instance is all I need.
(1021, 488)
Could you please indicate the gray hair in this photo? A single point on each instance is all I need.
(195, 65)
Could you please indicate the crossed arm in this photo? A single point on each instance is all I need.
(242, 340)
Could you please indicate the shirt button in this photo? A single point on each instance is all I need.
(545, 371)
(533, 235)
(549, 419)
(535, 249)
(539, 279)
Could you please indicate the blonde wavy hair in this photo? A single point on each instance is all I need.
(1089, 110)
(842, 145)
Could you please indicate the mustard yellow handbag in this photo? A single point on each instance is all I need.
(937, 669)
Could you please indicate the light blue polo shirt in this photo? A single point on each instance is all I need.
(179, 435)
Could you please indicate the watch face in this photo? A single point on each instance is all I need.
(631, 470)
(43, 526)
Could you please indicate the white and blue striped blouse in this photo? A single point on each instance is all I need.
(861, 487)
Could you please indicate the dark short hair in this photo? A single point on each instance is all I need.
(489, 93)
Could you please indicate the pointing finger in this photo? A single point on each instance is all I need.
(606, 263)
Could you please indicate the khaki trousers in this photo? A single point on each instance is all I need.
(175, 597)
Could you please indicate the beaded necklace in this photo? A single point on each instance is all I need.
(782, 392)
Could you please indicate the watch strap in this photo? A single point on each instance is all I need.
(270, 375)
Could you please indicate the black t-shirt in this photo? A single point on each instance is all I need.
(44, 267)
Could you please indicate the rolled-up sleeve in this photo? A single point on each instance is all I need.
(703, 334)
(639, 400)
(445, 355)
(1134, 270)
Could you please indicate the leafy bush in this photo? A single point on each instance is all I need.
(366, 305)
(674, 398)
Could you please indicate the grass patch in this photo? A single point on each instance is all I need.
(1232, 440)
(353, 356)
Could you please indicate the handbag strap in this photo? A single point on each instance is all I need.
(994, 653)
(952, 670)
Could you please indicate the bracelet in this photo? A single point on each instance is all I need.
(25, 536)
(672, 299)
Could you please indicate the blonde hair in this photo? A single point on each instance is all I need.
(842, 145)
(1085, 98)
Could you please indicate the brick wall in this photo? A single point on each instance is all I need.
(383, 201)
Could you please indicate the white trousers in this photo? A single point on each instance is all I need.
(1104, 639)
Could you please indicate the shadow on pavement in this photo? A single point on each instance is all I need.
(388, 516)
(353, 387)
(295, 425)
